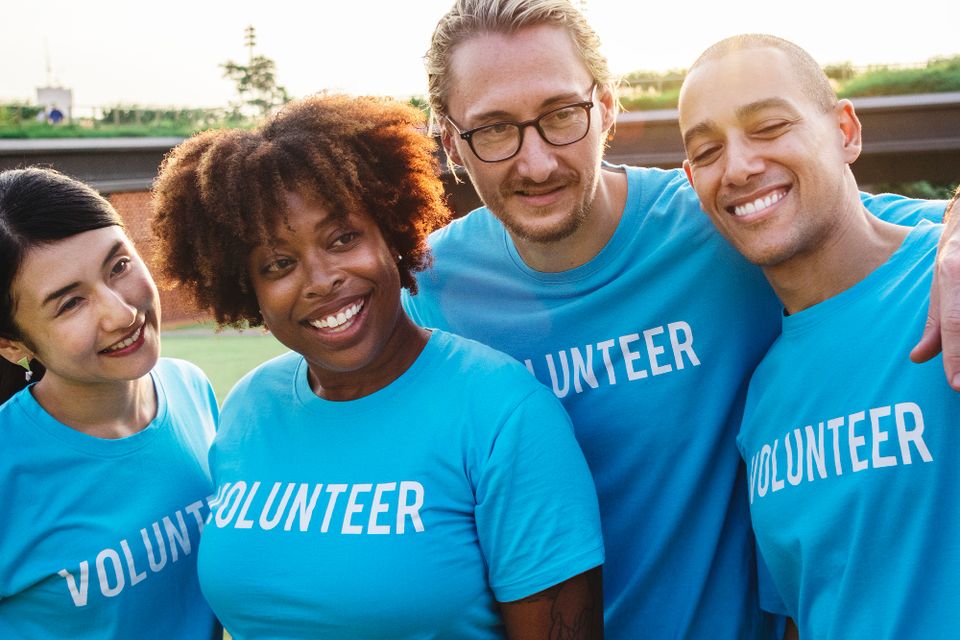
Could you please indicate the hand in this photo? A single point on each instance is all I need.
(942, 330)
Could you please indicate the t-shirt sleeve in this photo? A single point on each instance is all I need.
(537, 516)
(770, 599)
(906, 211)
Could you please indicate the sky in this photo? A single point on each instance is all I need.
(168, 53)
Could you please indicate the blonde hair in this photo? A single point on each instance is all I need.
(469, 18)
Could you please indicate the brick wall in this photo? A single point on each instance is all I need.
(136, 210)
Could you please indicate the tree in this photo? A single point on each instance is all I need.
(256, 81)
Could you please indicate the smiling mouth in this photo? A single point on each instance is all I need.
(539, 192)
(340, 320)
(126, 342)
(759, 204)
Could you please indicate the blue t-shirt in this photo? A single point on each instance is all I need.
(99, 536)
(407, 513)
(649, 346)
(853, 454)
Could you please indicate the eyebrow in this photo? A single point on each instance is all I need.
(505, 115)
(743, 112)
(73, 285)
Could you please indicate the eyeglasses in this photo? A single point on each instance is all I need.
(502, 140)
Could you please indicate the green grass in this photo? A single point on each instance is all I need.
(225, 357)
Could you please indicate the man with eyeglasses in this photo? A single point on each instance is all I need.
(612, 287)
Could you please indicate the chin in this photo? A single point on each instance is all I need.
(547, 233)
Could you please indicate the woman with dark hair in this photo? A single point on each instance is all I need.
(381, 480)
(103, 463)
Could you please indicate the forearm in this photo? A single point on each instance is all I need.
(571, 610)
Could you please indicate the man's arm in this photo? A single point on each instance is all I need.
(571, 610)
(942, 330)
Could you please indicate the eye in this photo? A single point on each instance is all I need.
(68, 305)
(705, 155)
(772, 128)
(277, 265)
(122, 265)
(345, 239)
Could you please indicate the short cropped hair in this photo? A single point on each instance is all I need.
(810, 75)
(221, 193)
(470, 18)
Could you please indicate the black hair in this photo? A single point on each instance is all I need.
(38, 207)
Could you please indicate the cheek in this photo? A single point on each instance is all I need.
(272, 298)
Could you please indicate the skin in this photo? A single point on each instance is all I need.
(74, 300)
(318, 266)
(763, 149)
(570, 610)
(558, 205)
(942, 330)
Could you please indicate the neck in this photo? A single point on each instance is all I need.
(858, 243)
(105, 410)
(585, 243)
(398, 354)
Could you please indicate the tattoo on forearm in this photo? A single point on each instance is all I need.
(575, 608)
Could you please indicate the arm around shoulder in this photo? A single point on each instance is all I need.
(942, 330)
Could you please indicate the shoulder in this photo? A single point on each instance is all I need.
(174, 368)
(177, 375)
(478, 371)
(665, 198)
(463, 355)
(13, 411)
(901, 210)
(273, 377)
(477, 228)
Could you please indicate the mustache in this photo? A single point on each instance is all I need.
(556, 180)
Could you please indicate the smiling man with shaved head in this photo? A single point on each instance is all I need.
(852, 450)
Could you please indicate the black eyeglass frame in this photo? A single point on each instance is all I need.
(586, 105)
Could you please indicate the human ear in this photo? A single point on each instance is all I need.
(607, 104)
(14, 350)
(449, 144)
(851, 130)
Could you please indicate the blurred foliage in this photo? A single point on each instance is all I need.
(660, 90)
(922, 189)
(939, 74)
(17, 112)
(259, 94)
(256, 82)
(20, 121)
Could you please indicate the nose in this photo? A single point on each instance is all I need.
(741, 162)
(537, 158)
(117, 313)
(321, 276)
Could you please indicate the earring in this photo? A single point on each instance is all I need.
(25, 363)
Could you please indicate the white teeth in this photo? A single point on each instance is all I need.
(126, 342)
(341, 318)
(759, 204)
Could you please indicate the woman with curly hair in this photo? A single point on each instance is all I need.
(104, 457)
(381, 480)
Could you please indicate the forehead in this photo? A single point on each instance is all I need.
(721, 87)
(514, 73)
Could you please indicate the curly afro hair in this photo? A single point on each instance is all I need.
(221, 193)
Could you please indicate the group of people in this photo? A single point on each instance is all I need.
(704, 448)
